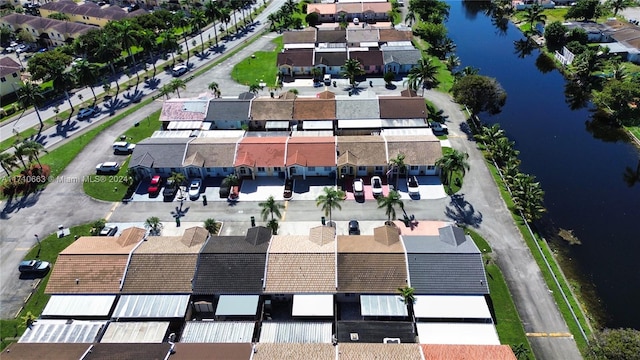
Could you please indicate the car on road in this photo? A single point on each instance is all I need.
(376, 186)
(439, 128)
(88, 112)
(33, 267)
(154, 186)
(109, 167)
(109, 231)
(123, 147)
(413, 186)
(327, 79)
(354, 227)
(194, 189)
(358, 188)
(179, 70)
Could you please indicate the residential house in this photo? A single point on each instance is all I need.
(355, 350)
(371, 60)
(94, 264)
(395, 35)
(330, 60)
(272, 113)
(49, 32)
(219, 332)
(311, 156)
(294, 351)
(358, 116)
(364, 11)
(421, 152)
(361, 155)
(326, 12)
(10, 80)
(365, 38)
(325, 37)
(295, 62)
(87, 13)
(194, 351)
(478, 352)
(52, 332)
(161, 156)
(211, 156)
(81, 307)
(400, 59)
(184, 114)
(50, 351)
(261, 156)
(227, 113)
(300, 39)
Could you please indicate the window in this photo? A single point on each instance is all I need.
(277, 168)
(327, 168)
(243, 171)
(431, 167)
(224, 169)
(414, 167)
(312, 168)
(362, 168)
(378, 168)
(261, 169)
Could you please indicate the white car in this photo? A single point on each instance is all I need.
(123, 147)
(109, 167)
(179, 70)
(413, 186)
(358, 188)
(376, 186)
(194, 189)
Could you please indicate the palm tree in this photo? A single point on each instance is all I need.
(316, 73)
(489, 135)
(398, 166)
(534, 15)
(215, 88)
(108, 50)
(617, 5)
(452, 162)
(154, 225)
(408, 295)
(178, 178)
(199, 19)
(452, 62)
(389, 203)
(169, 43)
(352, 69)
(273, 20)
(31, 94)
(128, 35)
(410, 18)
(225, 16)
(523, 47)
(8, 162)
(273, 225)
(212, 226)
(31, 149)
(270, 207)
(148, 41)
(177, 84)
(330, 200)
(86, 74)
(423, 75)
(182, 21)
(255, 88)
(213, 12)
(19, 153)
(520, 351)
(503, 151)
(165, 90)
(528, 197)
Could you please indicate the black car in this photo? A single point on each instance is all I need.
(225, 190)
(33, 267)
(354, 227)
(170, 189)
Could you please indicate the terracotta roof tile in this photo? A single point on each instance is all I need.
(301, 273)
(418, 150)
(476, 352)
(314, 109)
(309, 151)
(87, 274)
(167, 245)
(381, 273)
(291, 351)
(272, 109)
(322, 9)
(369, 150)
(326, 95)
(194, 351)
(184, 110)
(160, 273)
(261, 151)
(399, 107)
(195, 237)
(49, 351)
(386, 235)
(352, 351)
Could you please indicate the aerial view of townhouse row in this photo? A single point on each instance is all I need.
(372, 192)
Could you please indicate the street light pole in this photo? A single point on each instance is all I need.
(37, 239)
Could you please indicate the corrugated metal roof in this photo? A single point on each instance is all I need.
(296, 332)
(79, 305)
(312, 305)
(151, 306)
(136, 332)
(237, 305)
(218, 332)
(62, 331)
(382, 305)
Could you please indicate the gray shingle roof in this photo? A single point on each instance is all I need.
(228, 109)
(337, 58)
(159, 152)
(401, 56)
(357, 109)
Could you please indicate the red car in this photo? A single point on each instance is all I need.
(154, 185)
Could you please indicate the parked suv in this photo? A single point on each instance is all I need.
(123, 147)
(109, 167)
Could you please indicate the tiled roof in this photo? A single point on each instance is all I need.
(122, 244)
(228, 109)
(261, 151)
(402, 57)
(112, 351)
(284, 351)
(323, 235)
(395, 35)
(476, 352)
(378, 7)
(87, 274)
(372, 273)
(326, 95)
(386, 235)
(89, 9)
(195, 237)
(8, 66)
(418, 150)
(314, 109)
(160, 273)
(167, 245)
(370, 244)
(369, 150)
(354, 108)
(49, 351)
(291, 273)
(159, 152)
(229, 351)
(184, 110)
(367, 58)
(322, 9)
(363, 35)
(311, 151)
(272, 109)
(258, 235)
(399, 107)
(308, 35)
(224, 273)
(375, 332)
(297, 57)
(337, 58)
(216, 152)
(366, 351)
(331, 36)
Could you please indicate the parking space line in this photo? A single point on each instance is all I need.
(284, 213)
(113, 208)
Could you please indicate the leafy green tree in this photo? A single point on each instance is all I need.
(212, 226)
(329, 200)
(215, 88)
(59, 16)
(620, 100)
(585, 10)
(452, 162)
(352, 69)
(97, 226)
(389, 203)
(479, 93)
(433, 11)
(255, 88)
(316, 73)
(430, 32)
(615, 344)
(586, 63)
(31, 94)
(154, 225)
(555, 33)
(528, 197)
(231, 180)
(86, 74)
(520, 351)
(270, 207)
(579, 35)
(388, 77)
(312, 19)
(48, 65)
(489, 134)
(534, 15)
(442, 48)
(423, 75)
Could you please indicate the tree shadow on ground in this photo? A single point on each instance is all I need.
(15, 204)
(152, 83)
(113, 105)
(63, 129)
(134, 96)
(462, 212)
(203, 55)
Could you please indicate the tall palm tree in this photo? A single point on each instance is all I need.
(169, 43)
(316, 73)
(389, 203)
(182, 21)
(31, 149)
(31, 94)
(234, 6)
(617, 5)
(273, 18)
(489, 135)
(271, 207)
(225, 16)
(8, 162)
(352, 69)
(329, 200)
(212, 226)
(177, 84)
(86, 74)
(503, 151)
(154, 225)
(20, 153)
(108, 51)
(199, 20)
(423, 75)
(165, 90)
(178, 178)
(148, 41)
(528, 197)
(213, 12)
(452, 162)
(128, 35)
(408, 297)
(534, 15)
(452, 62)
(398, 166)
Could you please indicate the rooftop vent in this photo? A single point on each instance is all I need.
(391, 340)
(354, 336)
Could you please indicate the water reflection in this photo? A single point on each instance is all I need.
(544, 63)
(631, 177)
(472, 8)
(523, 47)
(602, 127)
(577, 96)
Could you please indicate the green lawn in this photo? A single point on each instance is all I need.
(11, 329)
(260, 67)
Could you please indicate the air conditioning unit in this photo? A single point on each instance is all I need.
(391, 341)
(354, 336)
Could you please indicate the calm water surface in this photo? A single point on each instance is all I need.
(581, 174)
